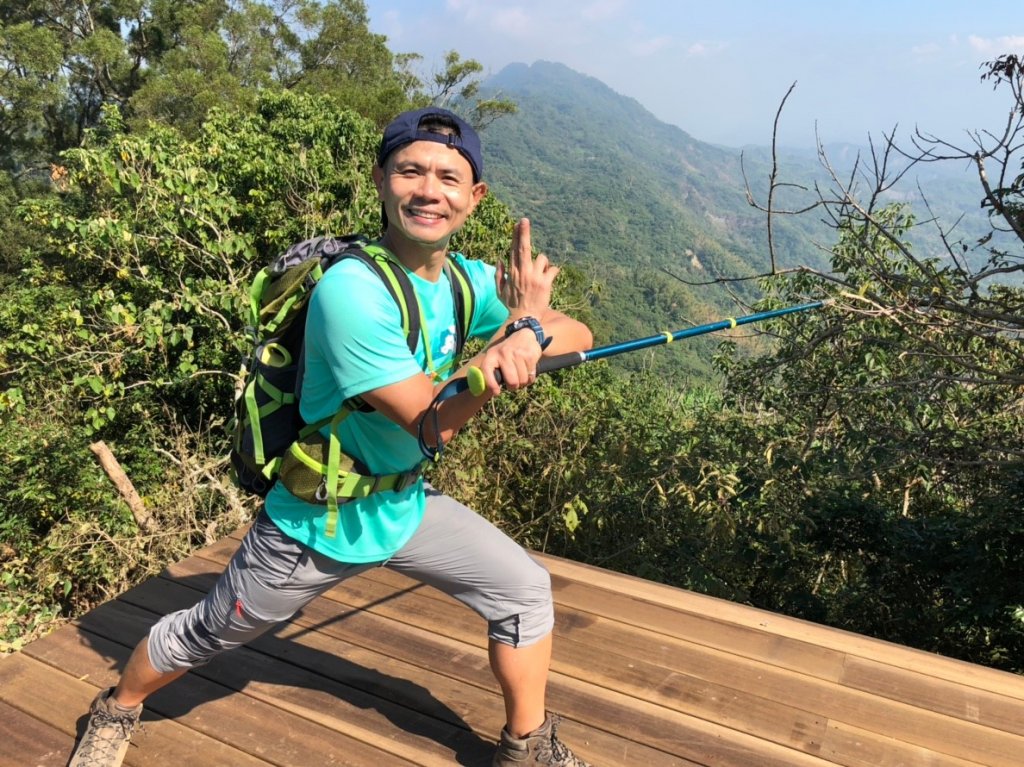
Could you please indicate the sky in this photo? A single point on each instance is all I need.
(719, 69)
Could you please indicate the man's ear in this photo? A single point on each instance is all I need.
(479, 192)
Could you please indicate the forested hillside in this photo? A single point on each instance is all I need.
(859, 465)
(654, 216)
(632, 201)
(613, 184)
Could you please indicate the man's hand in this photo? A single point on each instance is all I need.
(525, 286)
(516, 356)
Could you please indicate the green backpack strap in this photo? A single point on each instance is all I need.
(464, 299)
(399, 286)
(396, 279)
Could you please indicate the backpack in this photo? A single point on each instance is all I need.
(270, 441)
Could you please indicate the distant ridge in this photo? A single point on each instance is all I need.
(626, 197)
(576, 144)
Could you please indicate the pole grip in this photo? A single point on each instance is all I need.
(559, 361)
(475, 376)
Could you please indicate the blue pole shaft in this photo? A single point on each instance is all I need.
(570, 359)
(557, 362)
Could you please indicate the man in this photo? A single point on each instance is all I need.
(428, 178)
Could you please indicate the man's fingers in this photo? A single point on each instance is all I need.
(521, 246)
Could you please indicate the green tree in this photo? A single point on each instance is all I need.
(458, 86)
(891, 421)
(172, 62)
(126, 326)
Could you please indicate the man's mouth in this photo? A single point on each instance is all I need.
(420, 213)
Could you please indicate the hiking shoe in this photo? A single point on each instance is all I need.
(541, 746)
(106, 737)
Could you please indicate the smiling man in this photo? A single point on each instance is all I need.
(428, 177)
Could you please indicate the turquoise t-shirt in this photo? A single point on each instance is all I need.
(354, 344)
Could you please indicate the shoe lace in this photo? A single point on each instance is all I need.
(108, 731)
(555, 752)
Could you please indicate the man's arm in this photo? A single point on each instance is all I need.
(525, 288)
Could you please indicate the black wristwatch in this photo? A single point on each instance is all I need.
(532, 324)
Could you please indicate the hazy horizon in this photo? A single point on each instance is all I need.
(860, 68)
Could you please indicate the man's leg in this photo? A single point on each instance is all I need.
(270, 578)
(465, 556)
(139, 679)
(522, 673)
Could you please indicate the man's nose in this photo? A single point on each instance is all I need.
(429, 186)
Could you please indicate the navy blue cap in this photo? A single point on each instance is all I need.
(405, 129)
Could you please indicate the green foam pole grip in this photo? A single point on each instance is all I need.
(475, 379)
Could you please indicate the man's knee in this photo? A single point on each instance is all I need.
(533, 615)
(193, 637)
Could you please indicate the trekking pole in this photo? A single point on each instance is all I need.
(475, 377)
(474, 380)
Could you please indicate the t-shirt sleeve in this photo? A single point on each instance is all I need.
(354, 337)
(490, 312)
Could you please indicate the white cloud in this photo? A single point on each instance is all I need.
(995, 46)
(648, 46)
(470, 9)
(601, 10)
(704, 48)
(513, 21)
(927, 49)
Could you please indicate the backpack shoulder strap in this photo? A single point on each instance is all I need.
(463, 298)
(398, 284)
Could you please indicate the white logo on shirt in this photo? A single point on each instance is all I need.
(448, 342)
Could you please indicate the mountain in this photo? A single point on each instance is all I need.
(601, 161)
(650, 213)
(627, 198)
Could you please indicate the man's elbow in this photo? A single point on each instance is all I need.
(586, 338)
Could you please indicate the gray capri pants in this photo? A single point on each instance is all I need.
(272, 576)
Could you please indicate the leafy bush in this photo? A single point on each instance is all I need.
(124, 325)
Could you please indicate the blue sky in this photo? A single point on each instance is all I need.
(718, 69)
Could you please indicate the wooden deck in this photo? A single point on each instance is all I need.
(384, 671)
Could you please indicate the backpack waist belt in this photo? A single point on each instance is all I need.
(352, 485)
(338, 479)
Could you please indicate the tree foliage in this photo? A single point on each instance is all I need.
(860, 466)
(127, 326)
(170, 62)
(900, 409)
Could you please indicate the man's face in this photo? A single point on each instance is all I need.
(428, 192)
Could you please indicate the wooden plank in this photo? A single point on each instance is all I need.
(847, 745)
(27, 742)
(732, 705)
(966, 702)
(585, 601)
(298, 715)
(159, 743)
(931, 664)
